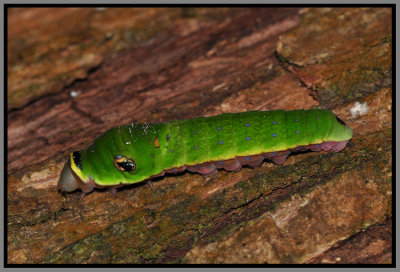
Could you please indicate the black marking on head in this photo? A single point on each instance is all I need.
(124, 164)
(76, 155)
(340, 121)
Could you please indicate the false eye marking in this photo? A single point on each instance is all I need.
(124, 164)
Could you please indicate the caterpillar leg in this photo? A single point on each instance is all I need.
(83, 194)
(215, 171)
(150, 184)
(277, 157)
(233, 165)
(112, 191)
(335, 146)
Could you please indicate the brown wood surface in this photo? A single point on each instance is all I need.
(74, 73)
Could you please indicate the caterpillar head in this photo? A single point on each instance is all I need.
(69, 179)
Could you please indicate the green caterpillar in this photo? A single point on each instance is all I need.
(138, 152)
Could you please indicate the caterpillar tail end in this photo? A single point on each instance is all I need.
(67, 181)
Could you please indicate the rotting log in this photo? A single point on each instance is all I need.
(316, 208)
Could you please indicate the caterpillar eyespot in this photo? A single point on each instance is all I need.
(202, 145)
(124, 164)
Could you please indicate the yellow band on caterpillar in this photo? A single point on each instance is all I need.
(75, 168)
